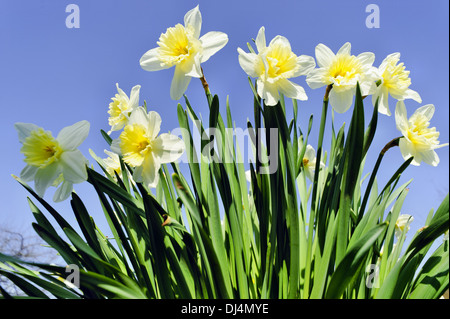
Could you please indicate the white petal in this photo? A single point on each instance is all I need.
(341, 101)
(309, 172)
(115, 146)
(137, 174)
(179, 84)
(249, 62)
(63, 192)
(153, 124)
(283, 41)
(315, 78)
(268, 92)
(382, 94)
(345, 49)
(211, 43)
(368, 86)
(24, 130)
(45, 177)
(150, 169)
(410, 94)
(310, 153)
(366, 58)
(191, 67)
(27, 174)
(134, 96)
(73, 165)
(292, 90)
(194, 18)
(72, 136)
(150, 61)
(168, 148)
(121, 92)
(138, 116)
(430, 157)
(401, 119)
(324, 55)
(307, 64)
(260, 40)
(393, 56)
(426, 110)
(407, 151)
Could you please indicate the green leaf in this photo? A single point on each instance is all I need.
(351, 265)
(433, 279)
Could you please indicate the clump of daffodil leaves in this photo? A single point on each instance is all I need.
(313, 226)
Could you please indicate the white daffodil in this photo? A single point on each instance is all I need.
(121, 107)
(394, 80)
(343, 70)
(53, 161)
(142, 148)
(112, 164)
(309, 160)
(402, 224)
(274, 65)
(182, 47)
(418, 139)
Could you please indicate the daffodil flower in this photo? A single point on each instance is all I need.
(53, 161)
(393, 80)
(182, 47)
(309, 160)
(343, 71)
(142, 148)
(418, 139)
(402, 224)
(112, 164)
(274, 65)
(121, 107)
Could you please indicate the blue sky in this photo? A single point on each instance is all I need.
(54, 76)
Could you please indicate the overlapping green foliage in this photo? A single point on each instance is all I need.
(211, 234)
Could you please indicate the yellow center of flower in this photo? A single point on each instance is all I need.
(343, 69)
(420, 135)
(305, 161)
(116, 108)
(41, 149)
(177, 44)
(281, 61)
(400, 226)
(134, 144)
(395, 76)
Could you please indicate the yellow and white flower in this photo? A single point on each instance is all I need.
(309, 160)
(53, 161)
(121, 107)
(182, 47)
(112, 164)
(274, 65)
(343, 71)
(418, 139)
(142, 148)
(394, 80)
(402, 224)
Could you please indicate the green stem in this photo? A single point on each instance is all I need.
(389, 145)
(312, 216)
(206, 88)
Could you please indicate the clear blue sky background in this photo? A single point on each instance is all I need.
(54, 76)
